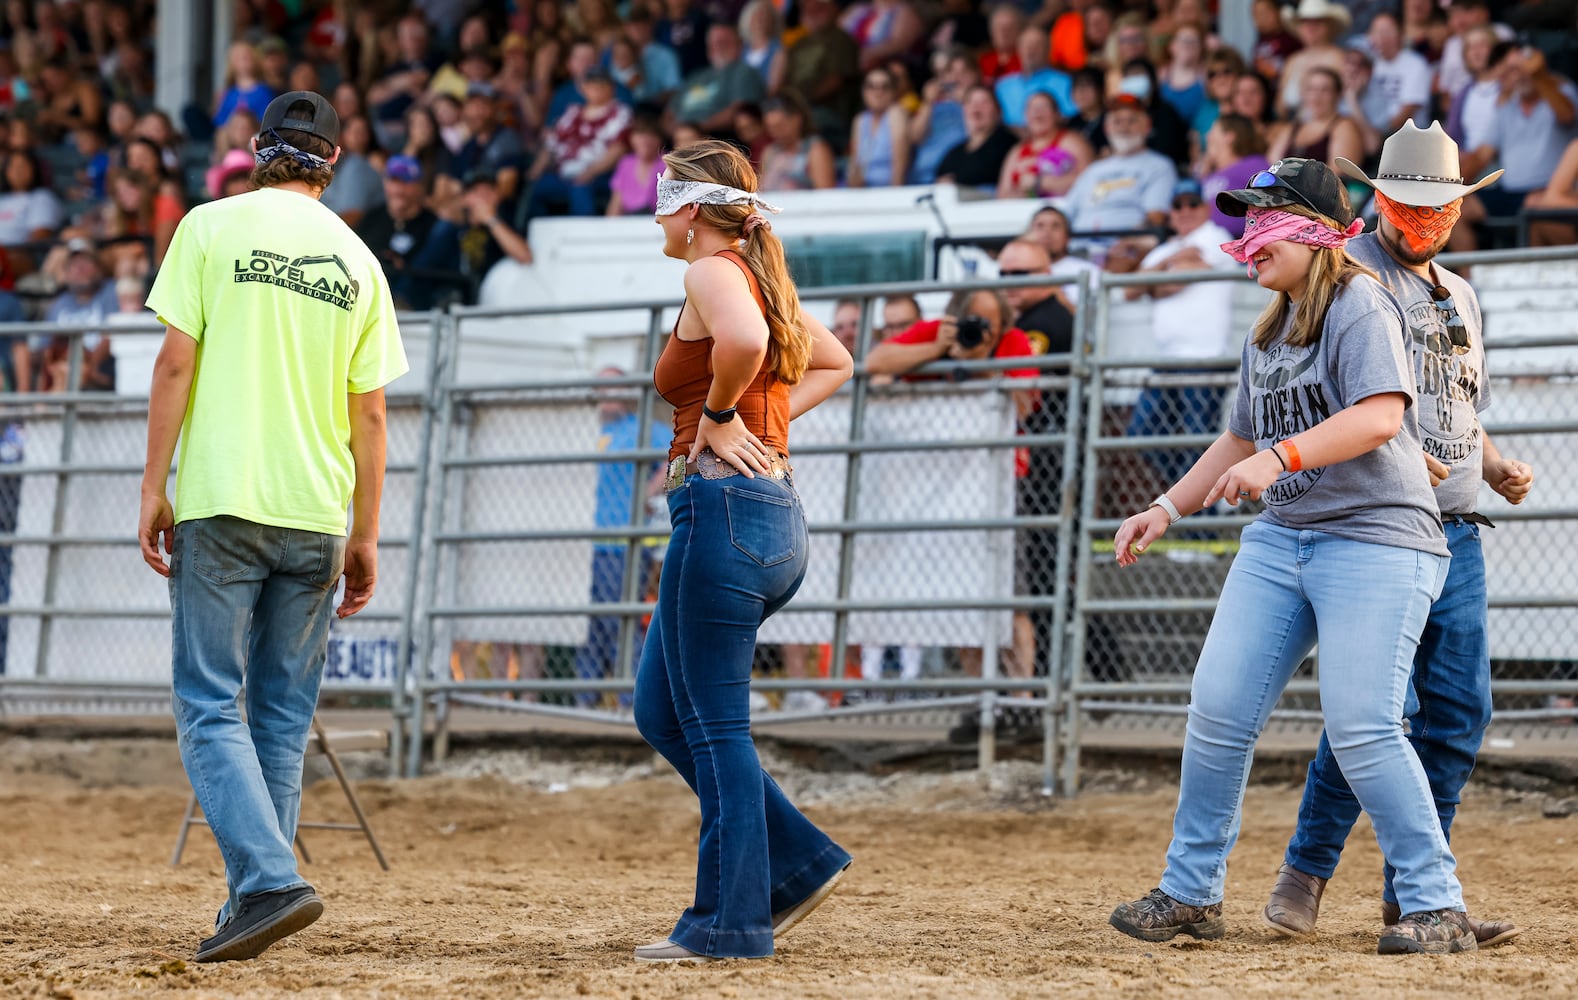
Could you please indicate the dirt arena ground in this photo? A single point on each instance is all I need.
(516, 875)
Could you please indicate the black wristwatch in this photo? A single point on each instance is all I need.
(718, 416)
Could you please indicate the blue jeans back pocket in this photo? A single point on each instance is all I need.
(762, 526)
(224, 549)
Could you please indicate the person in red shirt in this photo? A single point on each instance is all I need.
(929, 344)
(937, 339)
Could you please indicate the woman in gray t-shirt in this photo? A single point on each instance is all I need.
(1349, 551)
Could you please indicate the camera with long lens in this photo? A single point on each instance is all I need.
(973, 331)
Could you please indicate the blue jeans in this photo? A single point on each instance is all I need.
(1367, 604)
(250, 609)
(1451, 687)
(596, 659)
(737, 554)
(1172, 411)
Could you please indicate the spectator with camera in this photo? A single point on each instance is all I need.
(974, 327)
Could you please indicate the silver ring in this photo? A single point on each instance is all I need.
(1243, 493)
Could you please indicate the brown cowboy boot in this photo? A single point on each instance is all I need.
(1488, 933)
(1294, 903)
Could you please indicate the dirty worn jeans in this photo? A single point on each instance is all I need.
(250, 609)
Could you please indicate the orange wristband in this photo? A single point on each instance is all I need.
(1294, 462)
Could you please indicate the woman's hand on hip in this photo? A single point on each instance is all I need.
(734, 444)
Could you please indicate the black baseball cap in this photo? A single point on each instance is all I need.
(1292, 180)
(322, 121)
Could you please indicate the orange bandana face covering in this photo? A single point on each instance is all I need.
(1422, 227)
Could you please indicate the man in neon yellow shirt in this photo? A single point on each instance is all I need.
(281, 336)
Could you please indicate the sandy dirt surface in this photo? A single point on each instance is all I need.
(518, 875)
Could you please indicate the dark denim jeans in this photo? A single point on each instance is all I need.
(737, 554)
(250, 608)
(598, 658)
(1451, 688)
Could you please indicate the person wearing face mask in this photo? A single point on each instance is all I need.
(1348, 552)
(1129, 188)
(1169, 132)
(1451, 667)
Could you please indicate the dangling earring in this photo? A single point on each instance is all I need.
(690, 236)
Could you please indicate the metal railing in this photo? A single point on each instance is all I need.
(936, 523)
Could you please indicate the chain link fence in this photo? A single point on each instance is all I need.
(961, 575)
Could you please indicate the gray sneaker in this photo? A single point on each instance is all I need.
(261, 919)
(1159, 917)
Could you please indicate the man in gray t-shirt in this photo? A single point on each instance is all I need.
(1129, 188)
(1451, 678)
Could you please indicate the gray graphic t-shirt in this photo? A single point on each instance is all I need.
(1452, 387)
(1382, 496)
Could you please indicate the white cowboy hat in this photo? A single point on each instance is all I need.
(1419, 166)
(1321, 10)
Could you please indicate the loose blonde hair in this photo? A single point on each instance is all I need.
(1330, 269)
(714, 162)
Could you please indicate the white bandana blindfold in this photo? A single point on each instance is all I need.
(675, 195)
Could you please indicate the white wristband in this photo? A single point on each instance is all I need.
(1166, 504)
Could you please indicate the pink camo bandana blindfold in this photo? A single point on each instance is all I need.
(1265, 226)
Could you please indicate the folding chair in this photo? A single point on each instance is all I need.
(319, 740)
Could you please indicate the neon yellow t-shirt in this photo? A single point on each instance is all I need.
(291, 313)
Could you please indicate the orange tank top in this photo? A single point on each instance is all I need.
(683, 375)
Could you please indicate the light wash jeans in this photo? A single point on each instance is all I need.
(737, 554)
(1367, 603)
(250, 608)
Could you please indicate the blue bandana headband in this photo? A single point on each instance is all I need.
(280, 147)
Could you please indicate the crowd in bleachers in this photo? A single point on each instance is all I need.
(464, 121)
(1099, 105)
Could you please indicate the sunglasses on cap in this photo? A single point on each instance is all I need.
(1270, 179)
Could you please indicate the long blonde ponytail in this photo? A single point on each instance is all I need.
(715, 162)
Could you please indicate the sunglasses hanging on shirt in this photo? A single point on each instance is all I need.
(1457, 331)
